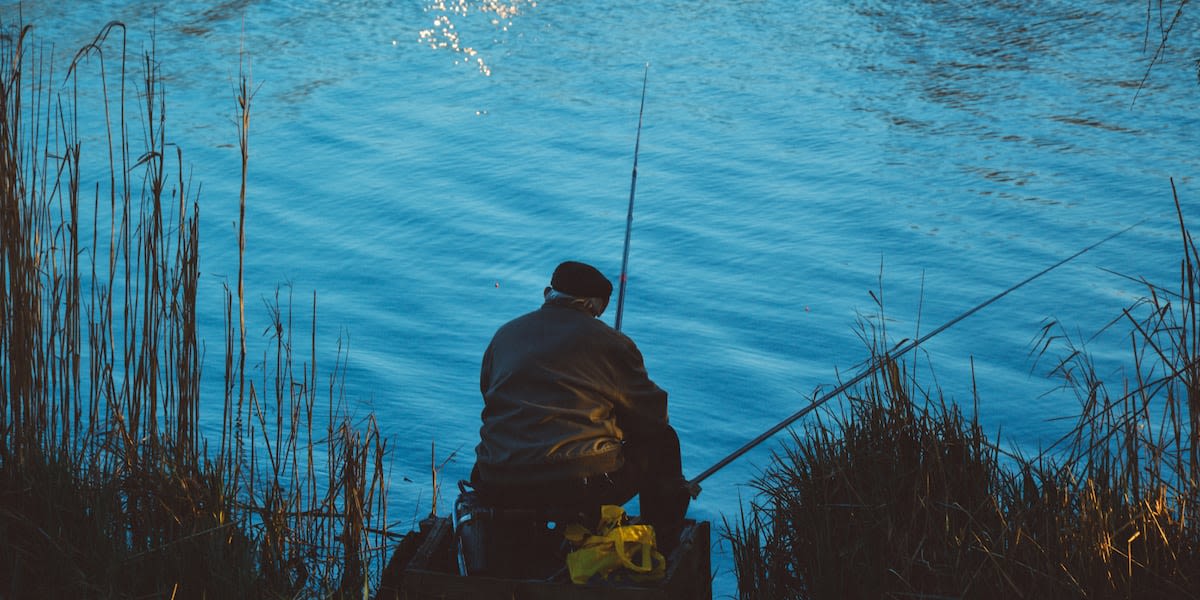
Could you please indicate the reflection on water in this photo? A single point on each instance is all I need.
(456, 15)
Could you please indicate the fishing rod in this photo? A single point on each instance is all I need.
(629, 216)
(694, 484)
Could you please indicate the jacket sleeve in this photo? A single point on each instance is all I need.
(640, 405)
(485, 371)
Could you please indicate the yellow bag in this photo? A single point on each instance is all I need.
(616, 549)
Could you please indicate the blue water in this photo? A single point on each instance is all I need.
(794, 157)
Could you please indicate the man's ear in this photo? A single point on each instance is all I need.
(600, 305)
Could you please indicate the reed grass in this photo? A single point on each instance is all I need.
(901, 495)
(107, 487)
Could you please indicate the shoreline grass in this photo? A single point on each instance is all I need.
(901, 495)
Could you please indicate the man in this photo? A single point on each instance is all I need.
(571, 418)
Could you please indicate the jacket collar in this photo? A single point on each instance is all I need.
(589, 306)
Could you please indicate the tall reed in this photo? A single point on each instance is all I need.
(107, 487)
(901, 495)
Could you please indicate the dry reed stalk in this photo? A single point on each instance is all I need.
(100, 378)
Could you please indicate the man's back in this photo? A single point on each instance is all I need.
(570, 417)
(547, 387)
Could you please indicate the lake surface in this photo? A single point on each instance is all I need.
(422, 168)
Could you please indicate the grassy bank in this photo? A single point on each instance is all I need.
(107, 487)
(901, 495)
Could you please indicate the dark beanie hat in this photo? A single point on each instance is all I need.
(580, 280)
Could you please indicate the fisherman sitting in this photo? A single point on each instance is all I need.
(571, 420)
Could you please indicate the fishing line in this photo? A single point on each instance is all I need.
(694, 484)
(629, 216)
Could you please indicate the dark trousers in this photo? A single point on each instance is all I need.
(652, 470)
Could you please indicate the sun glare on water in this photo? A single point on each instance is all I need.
(447, 34)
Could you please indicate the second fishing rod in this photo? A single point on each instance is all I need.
(875, 364)
(637, 144)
